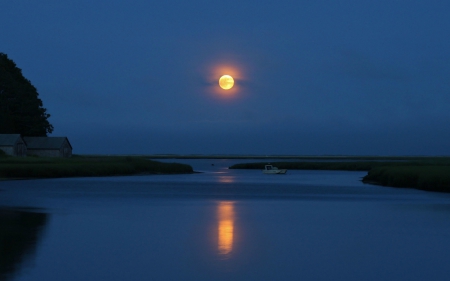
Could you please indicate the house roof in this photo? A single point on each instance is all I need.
(45, 142)
(8, 139)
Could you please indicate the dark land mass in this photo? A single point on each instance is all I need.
(425, 173)
(295, 157)
(85, 166)
(430, 178)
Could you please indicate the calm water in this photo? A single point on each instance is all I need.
(222, 225)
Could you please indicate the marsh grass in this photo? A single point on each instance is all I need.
(298, 157)
(79, 166)
(431, 178)
(426, 173)
(332, 165)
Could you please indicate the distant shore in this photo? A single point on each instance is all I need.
(430, 178)
(84, 166)
(421, 172)
(290, 157)
(424, 173)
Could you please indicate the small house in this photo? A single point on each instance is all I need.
(48, 146)
(13, 144)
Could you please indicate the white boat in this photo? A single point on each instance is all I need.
(269, 169)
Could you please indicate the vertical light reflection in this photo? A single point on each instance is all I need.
(225, 212)
(226, 179)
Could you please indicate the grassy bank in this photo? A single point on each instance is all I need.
(294, 157)
(340, 166)
(425, 173)
(431, 178)
(79, 166)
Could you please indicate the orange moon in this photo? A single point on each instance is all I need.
(226, 82)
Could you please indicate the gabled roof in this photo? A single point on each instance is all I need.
(45, 142)
(8, 139)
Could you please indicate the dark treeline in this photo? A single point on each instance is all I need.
(21, 109)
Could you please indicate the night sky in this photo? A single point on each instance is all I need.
(350, 77)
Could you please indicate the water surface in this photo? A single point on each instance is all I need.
(223, 225)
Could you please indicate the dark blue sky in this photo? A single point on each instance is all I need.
(312, 77)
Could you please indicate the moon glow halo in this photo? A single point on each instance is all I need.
(226, 82)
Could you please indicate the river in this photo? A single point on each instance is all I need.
(222, 224)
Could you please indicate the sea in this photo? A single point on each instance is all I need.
(222, 224)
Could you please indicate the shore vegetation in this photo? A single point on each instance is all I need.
(425, 173)
(431, 178)
(82, 166)
(325, 165)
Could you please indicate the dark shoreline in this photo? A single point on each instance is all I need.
(17, 168)
(429, 178)
(425, 173)
(428, 173)
(294, 157)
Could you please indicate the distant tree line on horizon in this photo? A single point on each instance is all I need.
(21, 109)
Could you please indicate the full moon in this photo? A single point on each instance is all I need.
(226, 82)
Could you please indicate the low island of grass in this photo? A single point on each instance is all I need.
(85, 166)
(425, 173)
(431, 178)
(311, 165)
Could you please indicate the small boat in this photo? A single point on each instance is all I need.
(269, 169)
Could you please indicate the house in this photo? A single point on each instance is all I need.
(13, 144)
(48, 146)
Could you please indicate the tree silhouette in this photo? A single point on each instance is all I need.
(21, 110)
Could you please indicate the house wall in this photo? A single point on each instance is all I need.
(9, 150)
(66, 151)
(19, 149)
(44, 152)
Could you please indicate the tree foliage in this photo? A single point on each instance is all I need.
(21, 110)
